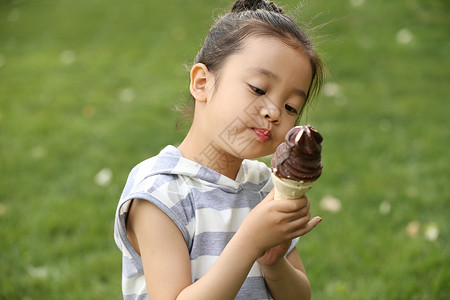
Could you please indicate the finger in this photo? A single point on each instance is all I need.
(303, 213)
(303, 198)
(299, 222)
(291, 205)
(309, 226)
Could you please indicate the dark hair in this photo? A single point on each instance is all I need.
(256, 18)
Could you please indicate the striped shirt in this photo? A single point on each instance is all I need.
(207, 207)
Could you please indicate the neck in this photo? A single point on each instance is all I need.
(210, 155)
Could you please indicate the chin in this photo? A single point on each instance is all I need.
(258, 150)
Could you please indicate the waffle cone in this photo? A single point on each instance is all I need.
(290, 189)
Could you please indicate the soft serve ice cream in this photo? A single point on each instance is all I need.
(296, 164)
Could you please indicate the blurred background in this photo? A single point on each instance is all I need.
(88, 90)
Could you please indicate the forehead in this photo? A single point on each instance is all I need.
(267, 50)
(272, 57)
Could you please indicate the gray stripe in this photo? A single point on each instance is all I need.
(210, 243)
(184, 209)
(135, 297)
(220, 200)
(204, 172)
(129, 268)
(254, 187)
(254, 288)
(126, 243)
(163, 164)
(160, 180)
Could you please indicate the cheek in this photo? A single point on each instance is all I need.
(285, 129)
(289, 122)
(279, 139)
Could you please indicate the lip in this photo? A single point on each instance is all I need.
(262, 134)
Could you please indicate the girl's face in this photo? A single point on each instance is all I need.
(258, 97)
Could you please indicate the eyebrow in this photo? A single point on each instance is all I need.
(274, 76)
(265, 72)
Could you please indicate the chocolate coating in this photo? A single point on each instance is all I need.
(299, 157)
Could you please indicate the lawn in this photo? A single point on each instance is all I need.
(88, 89)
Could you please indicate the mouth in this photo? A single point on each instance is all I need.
(263, 135)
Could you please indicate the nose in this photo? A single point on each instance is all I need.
(271, 114)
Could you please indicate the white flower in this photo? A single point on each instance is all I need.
(13, 15)
(404, 36)
(103, 178)
(431, 232)
(2, 209)
(38, 272)
(385, 208)
(357, 2)
(412, 229)
(331, 89)
(126, 95)
(330, 203)
(67, 57)
(38, 152)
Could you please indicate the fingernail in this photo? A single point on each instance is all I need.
(320, 220)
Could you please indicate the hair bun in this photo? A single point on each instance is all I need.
(244, 5)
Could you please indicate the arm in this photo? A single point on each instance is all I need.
(166, 259)
(286, 276)
(162, 248)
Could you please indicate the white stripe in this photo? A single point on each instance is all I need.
(211, 220)
(134, 285)
(255, 271)
(169, 199)
(143, 169)
(176, 190)
(199, 184)
(125, 252)
(124, 208)
(118, 242)
(203, 264)
(184, 165)
(256, 172)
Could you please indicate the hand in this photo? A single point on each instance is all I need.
(272, 255)
(272, 223)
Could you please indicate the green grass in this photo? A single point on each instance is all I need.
(88, 85)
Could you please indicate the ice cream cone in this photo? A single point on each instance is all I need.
(290, 189)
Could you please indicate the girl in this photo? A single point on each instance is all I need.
(199, 221)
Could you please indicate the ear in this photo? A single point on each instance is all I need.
(199, 78)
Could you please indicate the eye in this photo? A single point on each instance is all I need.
(258, 90)
(290, 109)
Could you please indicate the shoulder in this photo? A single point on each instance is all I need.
(169, 193)
(152, 173)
